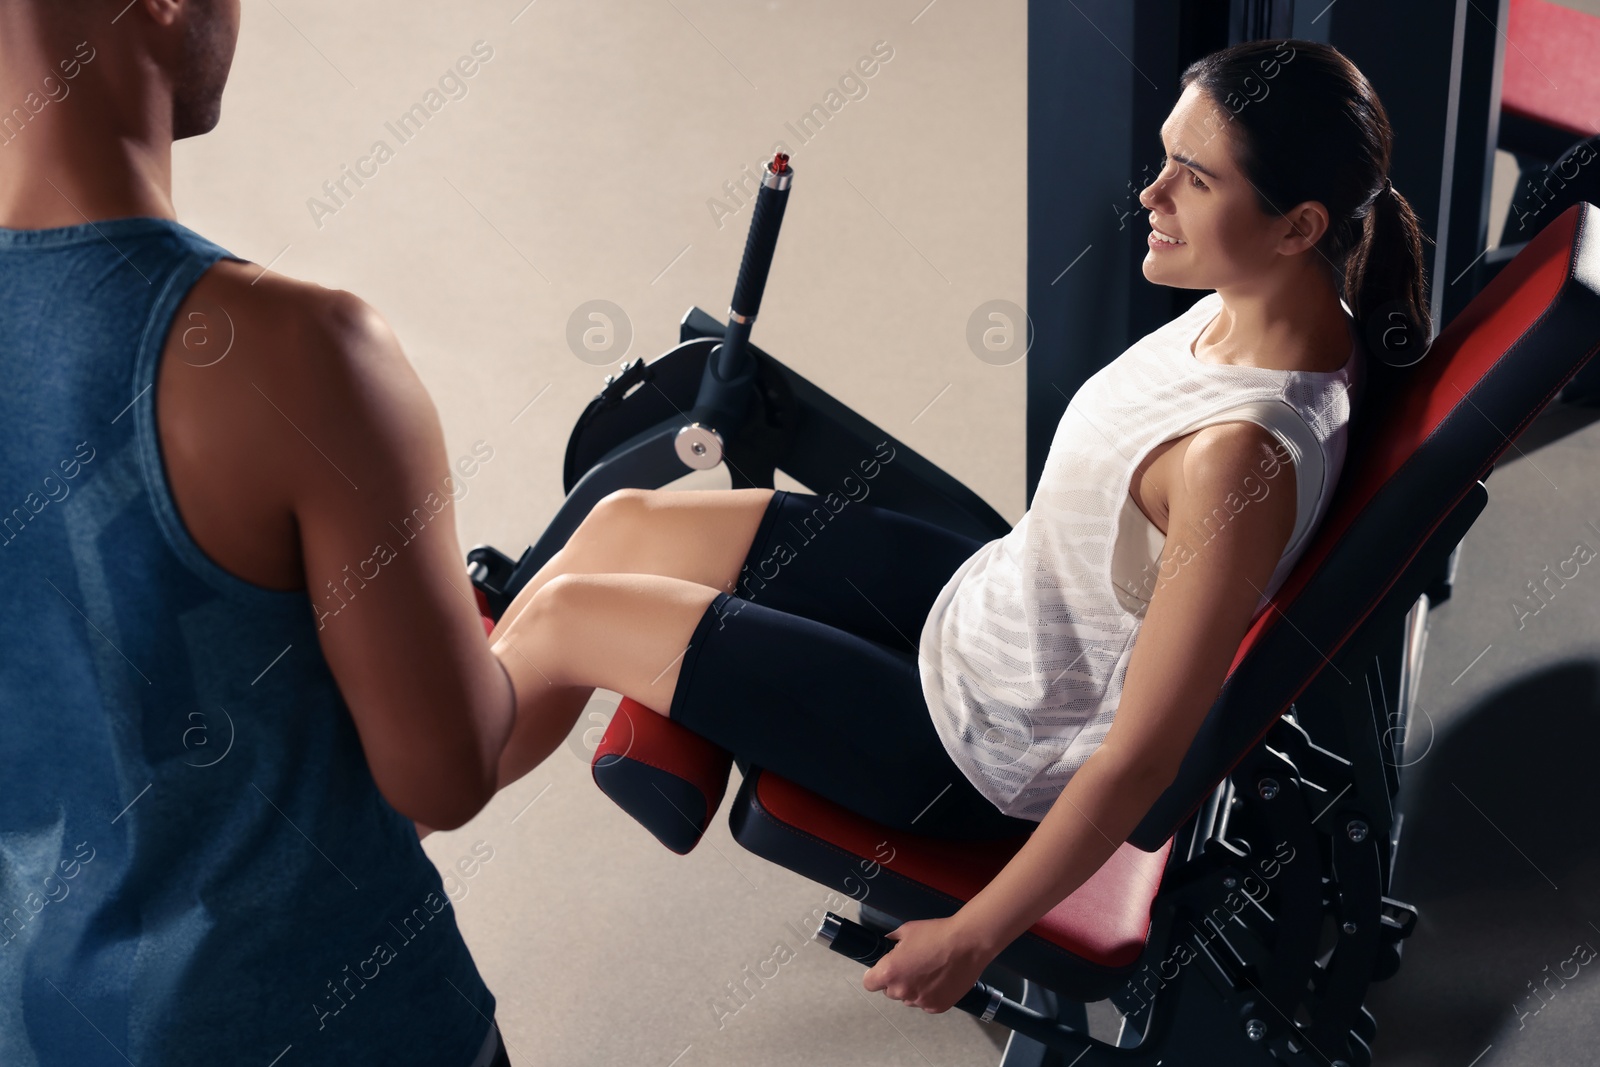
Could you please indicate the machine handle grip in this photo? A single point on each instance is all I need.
(868, 946)
(983, 1000)
(762, 240)
(854, 940)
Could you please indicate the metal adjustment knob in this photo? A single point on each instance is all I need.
(698, 446)
(1268, 787)
(1357, 830)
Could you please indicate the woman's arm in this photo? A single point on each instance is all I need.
(1100, 806)
(1200, 611)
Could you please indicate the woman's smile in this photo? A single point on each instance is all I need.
(1160, 240)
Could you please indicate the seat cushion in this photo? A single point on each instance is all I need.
(1084, 947)
(670, 779)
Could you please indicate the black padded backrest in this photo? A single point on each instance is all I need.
(1422, 439)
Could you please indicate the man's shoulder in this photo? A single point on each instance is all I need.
(240, 306)
(262, 377)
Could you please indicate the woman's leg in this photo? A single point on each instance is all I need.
(869, 570)
(703, 536)
(622, 632)
(700, 536)
(837, 713)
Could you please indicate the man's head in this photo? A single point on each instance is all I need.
(147, 50)
(209, 31)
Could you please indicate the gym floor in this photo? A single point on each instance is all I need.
(594, 155)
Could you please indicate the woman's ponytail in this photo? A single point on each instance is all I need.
(1384, 280)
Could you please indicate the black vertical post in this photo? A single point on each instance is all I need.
(1436, 66)
(1102, 76)
(1477, 133)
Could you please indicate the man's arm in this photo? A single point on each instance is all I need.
(1198, 615)
(397, 621)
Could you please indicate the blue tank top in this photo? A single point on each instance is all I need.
(195, 864)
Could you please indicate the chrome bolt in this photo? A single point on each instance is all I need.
(1349, 927)
(1357, 830)
(699, 447)
(1268, 788)
(1255, 1029)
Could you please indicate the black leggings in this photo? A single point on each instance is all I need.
(811, 670)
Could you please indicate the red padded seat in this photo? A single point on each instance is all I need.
(1083, 947)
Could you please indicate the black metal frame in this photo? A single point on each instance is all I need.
(790, 425)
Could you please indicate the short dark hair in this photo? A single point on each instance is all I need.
(1307, 125)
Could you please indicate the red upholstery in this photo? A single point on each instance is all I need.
(669, 779)
(673, 781)
(1461, 357)
(650, 738)
(1552, 67)
(1105, 921)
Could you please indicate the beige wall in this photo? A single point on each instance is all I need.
(580, 165)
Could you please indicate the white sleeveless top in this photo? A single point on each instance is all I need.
(1025, 651)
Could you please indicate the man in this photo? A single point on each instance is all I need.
(222, 713)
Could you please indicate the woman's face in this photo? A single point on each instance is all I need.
(1201, 198)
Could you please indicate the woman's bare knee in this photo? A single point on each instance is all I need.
(608, 527)
(700, 535)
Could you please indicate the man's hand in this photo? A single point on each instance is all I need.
(932, 967)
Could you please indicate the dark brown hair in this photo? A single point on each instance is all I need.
(1305, 124)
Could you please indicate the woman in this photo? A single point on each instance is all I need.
(949, 687)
